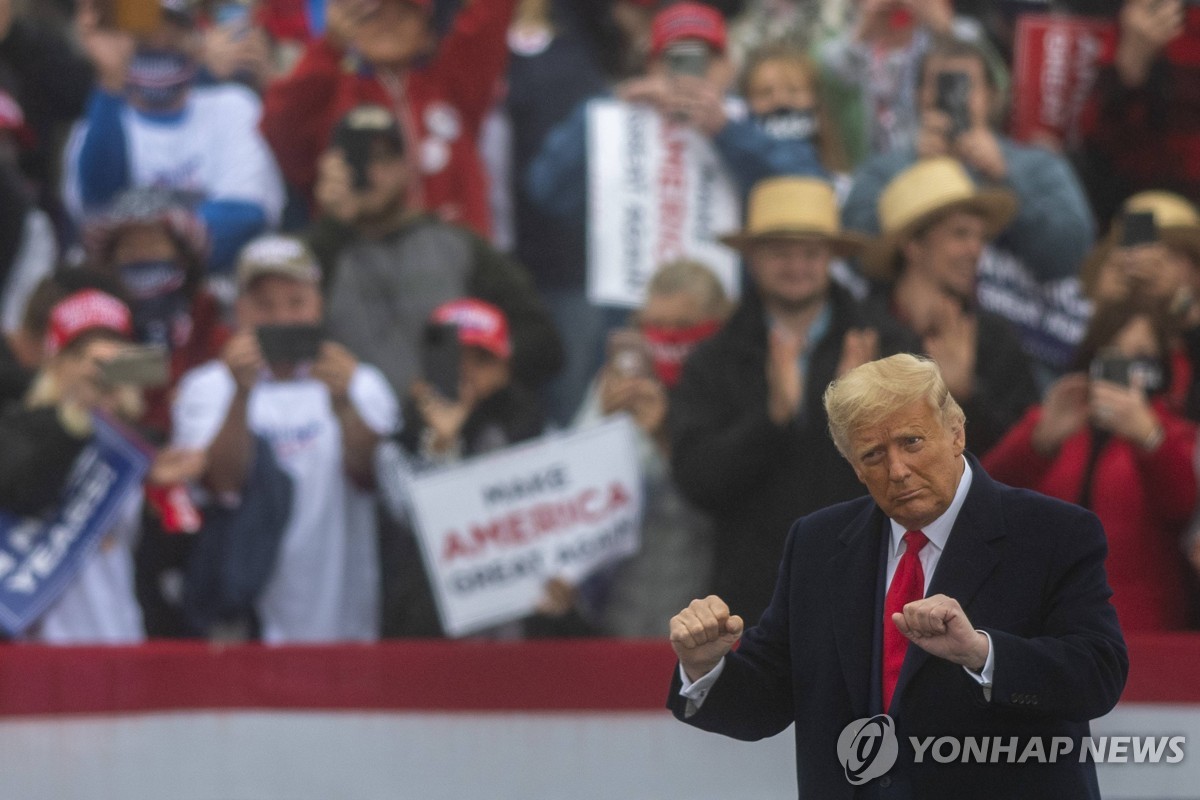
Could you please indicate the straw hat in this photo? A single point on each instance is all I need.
(925, 190)
(794, 208)
(1178, 224)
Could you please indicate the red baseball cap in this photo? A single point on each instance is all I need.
(687, 21)
(87, 310)
(479, 324)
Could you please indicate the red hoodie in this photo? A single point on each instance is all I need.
(440, 106)
(1143, 500)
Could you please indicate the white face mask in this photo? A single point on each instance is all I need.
(789, 124)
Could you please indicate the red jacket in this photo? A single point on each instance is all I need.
(1142, 499)
(441, 107)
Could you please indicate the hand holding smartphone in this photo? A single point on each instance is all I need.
(953, 99)
(440, 351)
(290, 344)
(629, 355)
(143, 366)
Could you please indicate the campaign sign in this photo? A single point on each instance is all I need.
(39, 557)
(1056, 58)
(495, 528)
(1049, 317)
(657, 192)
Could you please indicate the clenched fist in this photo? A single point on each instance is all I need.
(703, 633)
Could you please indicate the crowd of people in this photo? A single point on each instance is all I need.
(232, 227)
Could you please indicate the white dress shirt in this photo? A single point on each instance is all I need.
(938, 533)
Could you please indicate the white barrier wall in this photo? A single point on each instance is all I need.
(193, 723)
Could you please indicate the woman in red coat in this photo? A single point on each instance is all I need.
(1105, 437)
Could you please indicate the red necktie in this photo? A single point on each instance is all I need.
(908, 584)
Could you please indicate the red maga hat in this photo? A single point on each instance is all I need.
(479, 324)
(88, 310)
(687, 21)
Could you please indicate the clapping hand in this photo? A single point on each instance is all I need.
(785, 382)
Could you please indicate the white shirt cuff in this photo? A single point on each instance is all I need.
(984, 676)
(695, 692)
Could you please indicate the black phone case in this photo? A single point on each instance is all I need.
(290, 344)
(953, 94)
(439, 359)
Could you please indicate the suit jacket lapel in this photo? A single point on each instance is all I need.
(852, 586)
(971, 553)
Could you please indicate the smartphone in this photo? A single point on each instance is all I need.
(953, 99)
(1123, 370)
(440, 352)
(290, 344)
(1138, 227)
(144, 366)
(687, 58)
(139, 17)
(629, 355)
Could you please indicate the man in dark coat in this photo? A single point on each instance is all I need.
(1003, 592)
(747, 430)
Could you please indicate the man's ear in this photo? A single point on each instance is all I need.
(960, 438)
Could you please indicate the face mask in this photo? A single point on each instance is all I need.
(789, 124)
(159, 79)
(670, 347)
(159, 301)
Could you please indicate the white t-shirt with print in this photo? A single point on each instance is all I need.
(325, 586)
(100, 606)
(214, 149)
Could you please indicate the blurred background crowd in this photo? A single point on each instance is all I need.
(245, 229)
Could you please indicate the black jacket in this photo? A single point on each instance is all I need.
(756, 477)
(36, 456)
(1027, 569)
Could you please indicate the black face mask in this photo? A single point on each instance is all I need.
(161, 311)
(789, 124)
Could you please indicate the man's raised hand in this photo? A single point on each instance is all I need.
(703, 633)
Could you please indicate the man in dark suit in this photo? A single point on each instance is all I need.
(1002, 591)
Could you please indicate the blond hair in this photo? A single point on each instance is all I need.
(868, 394)
(829, 143)
(694, 278)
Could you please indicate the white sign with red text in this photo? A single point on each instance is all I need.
(495, 528)
(657, 192)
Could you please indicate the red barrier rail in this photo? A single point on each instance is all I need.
(562, 675)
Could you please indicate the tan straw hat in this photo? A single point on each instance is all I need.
(917, 195)
(1178, 224)
(794, 208)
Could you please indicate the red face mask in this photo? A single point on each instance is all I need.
(900, 18)
(670, 347)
